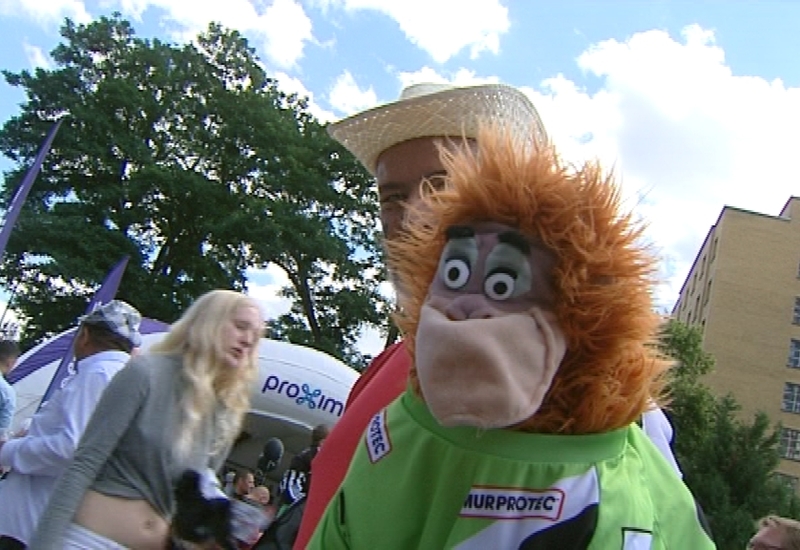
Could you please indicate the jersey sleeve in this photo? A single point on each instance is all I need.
(678, 520)
(115, 411)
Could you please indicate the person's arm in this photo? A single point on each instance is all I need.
(657, 427)
(50, 454)
(294, 479)
(8, 403)
(116, 411)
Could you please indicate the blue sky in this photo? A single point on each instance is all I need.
(695, 104)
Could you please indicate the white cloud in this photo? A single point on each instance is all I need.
(347, 97)
(267, 295)
(462, 77)
(685, 134)
(370, 342)
(36, 57)
(132, 8)
(287, 28)
(443, 27)
(292, 85)
(282, 26)
(47, 12)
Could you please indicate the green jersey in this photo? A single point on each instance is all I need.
(416, 484)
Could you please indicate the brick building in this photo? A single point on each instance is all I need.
(743, 292)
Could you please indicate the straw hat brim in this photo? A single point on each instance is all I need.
(455, 112)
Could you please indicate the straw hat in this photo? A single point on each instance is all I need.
(429, 110)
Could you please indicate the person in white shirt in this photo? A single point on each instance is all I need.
(103, 344)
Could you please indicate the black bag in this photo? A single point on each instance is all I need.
(199, 519)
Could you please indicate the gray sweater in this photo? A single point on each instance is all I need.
(127, 449)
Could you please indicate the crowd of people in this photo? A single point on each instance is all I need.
(98, 464)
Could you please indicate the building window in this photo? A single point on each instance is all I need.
(708, 293)
(790, 444)
(796, 314)
(786, 479)
(794, 354)
(791, 398)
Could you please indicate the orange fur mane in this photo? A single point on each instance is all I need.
(604, 275)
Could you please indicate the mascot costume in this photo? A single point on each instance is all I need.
(525, 299)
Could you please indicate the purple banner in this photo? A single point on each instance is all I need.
(104, 294)
(15, 207)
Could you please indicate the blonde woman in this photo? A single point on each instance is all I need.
(177, 407)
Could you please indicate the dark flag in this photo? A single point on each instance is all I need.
(24, 188)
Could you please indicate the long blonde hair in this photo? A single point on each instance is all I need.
(197, 338)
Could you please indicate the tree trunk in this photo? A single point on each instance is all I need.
(393, 335)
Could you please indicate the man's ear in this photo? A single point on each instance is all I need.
(82, 338)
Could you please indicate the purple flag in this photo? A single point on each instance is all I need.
(24, 188)
(104, 294)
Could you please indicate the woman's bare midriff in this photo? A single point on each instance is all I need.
(130, 522)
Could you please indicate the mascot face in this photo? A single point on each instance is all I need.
(525, 296)
(488, 342)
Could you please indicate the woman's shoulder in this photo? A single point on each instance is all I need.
(153, 366)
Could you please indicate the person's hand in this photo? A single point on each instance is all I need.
(23, 429)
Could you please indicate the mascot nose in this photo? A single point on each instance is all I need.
(469, 306)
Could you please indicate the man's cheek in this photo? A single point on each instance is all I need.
(390, 222)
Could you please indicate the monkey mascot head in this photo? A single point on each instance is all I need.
(525, 295)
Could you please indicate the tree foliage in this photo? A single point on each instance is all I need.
(192, 161)
(727, 462)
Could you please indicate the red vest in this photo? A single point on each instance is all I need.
(381, 383)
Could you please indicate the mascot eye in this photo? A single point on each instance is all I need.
(455, 273)
(499, 285)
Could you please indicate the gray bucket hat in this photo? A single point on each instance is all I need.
(119, 317)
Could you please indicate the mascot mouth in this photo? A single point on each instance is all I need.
(487, 372)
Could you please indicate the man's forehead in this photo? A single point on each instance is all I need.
(413, 158)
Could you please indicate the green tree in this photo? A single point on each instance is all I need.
(727, 462)
(329, 295)
(193, 162)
